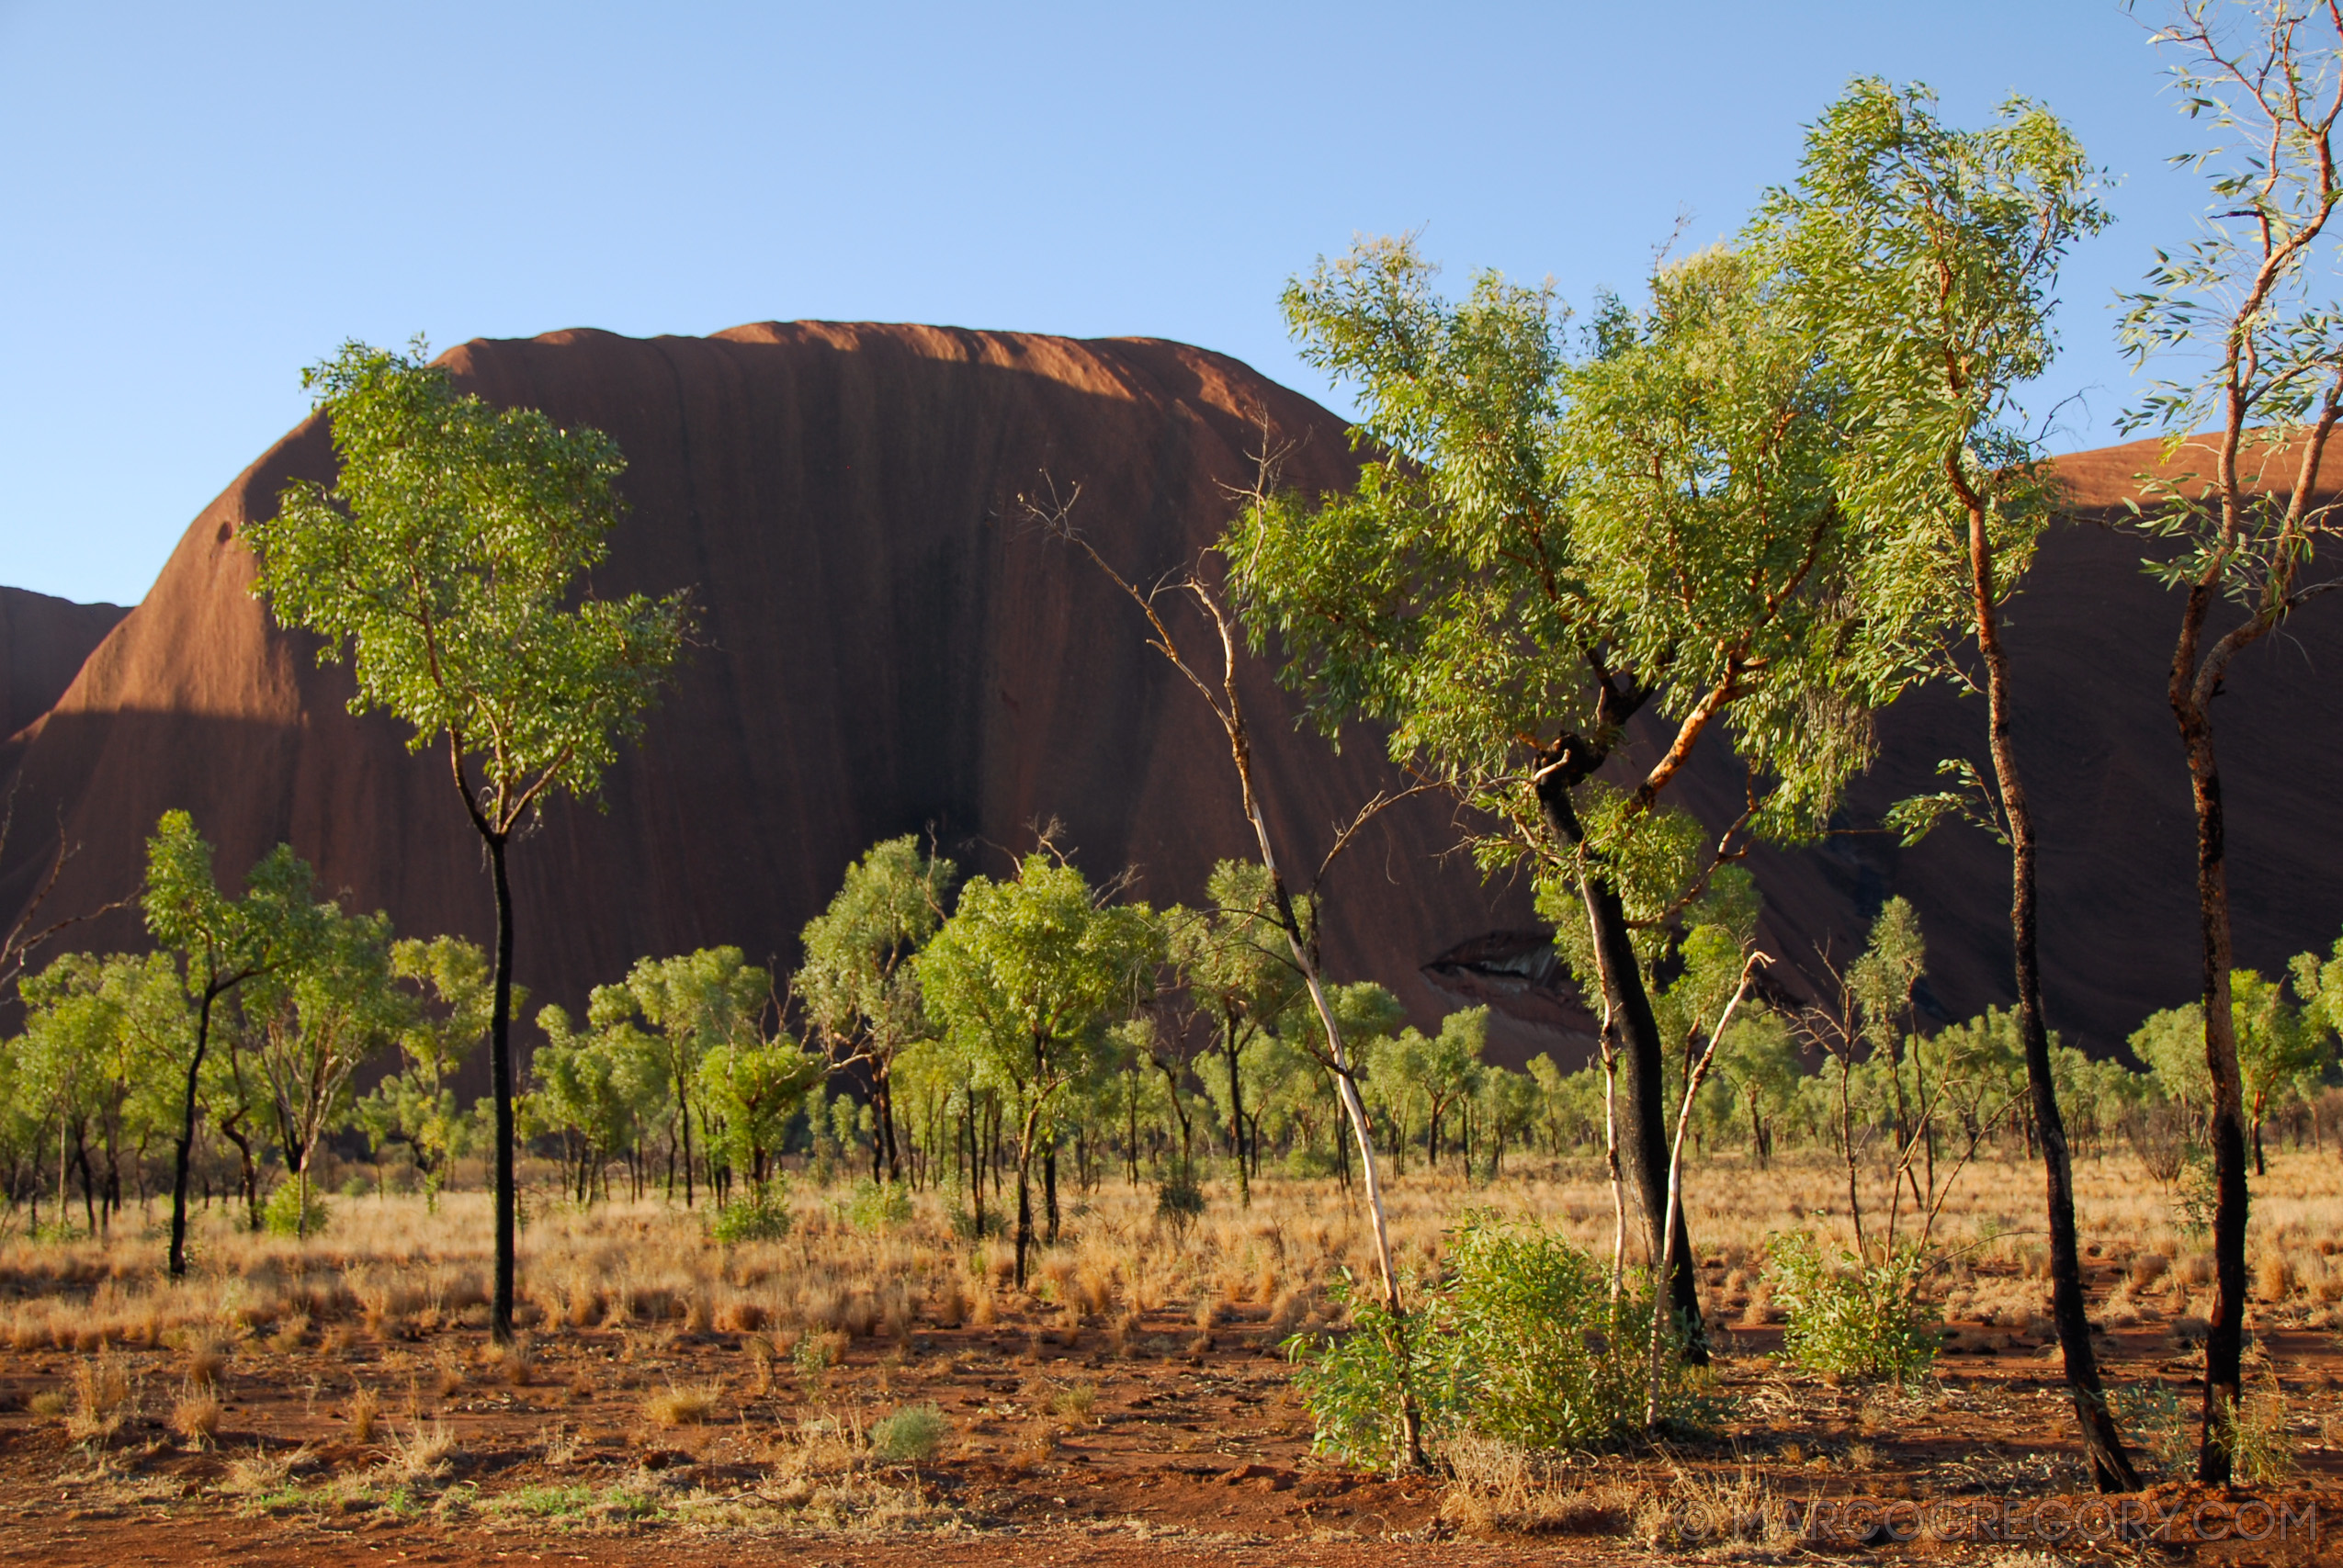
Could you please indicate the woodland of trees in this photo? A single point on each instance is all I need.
(1794, 479)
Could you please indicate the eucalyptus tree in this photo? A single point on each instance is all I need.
(857, 983)
(1922, 260)
(1544, 545)
(416, 1105)
(1025, 978)
(452, 552)
(101, 1037)
(309, 1028)
(219, 944)
(2281, 1052)
(600, 1088)
(1232, 958)
(756, 1087)
(2251, 307)
(690, 1005)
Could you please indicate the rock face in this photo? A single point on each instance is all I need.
(42, 644)
(2090, 635)
(888, 649)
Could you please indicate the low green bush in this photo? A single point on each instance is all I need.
(1179, 1201)
(1521, 1342)
(911, 1435)
(878, 1205)
(762, 1216)
(1852, 1317)
(286, 1213)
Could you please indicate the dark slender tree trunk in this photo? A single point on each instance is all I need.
(1049, 1188)
(1643, 1092)
(1229, 1045)
(2110, 1465)
(1024, 1220)
(883, 1095)
(2225, 1340)
(500, 1078)
(186, 1148)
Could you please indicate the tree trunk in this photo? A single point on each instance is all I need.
(1229, 1045)
(2225, 1328)
(500, 1078)
(2110, 1465)
(1024, 1221)
(883, 1097)
(1641, 1056)
(186, 1148)
(1049, 1188)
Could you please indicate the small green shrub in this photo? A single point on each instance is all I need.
(1179, 1201)
(878, 1205)
(1851, 1317)
(965, 1225)
(286, 1213)
(1521, 1344)
(765, 1216)
(2153, 1424)
(1351, 1385)
(911, 1435)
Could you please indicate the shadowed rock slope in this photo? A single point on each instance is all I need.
(886, 649)
(43, 643)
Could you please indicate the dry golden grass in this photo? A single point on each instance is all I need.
(686, 1406)
(195, 1414)
(364, 1414)
(392, 1272)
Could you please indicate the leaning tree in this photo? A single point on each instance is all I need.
(451, 553)
(1547, 543)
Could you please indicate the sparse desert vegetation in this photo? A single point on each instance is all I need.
(1014, 1193)
(878, 1378)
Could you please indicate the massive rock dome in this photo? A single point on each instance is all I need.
(888, 649)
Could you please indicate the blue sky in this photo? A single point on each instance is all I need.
(195, 201)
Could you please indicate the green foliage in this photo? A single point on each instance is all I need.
(306, 1029)
(763, 1215)
(223, 941)
(696, 1004)
(1025, 979)
(416, 1106)
(1553, 530)
(2154, 1421)
(1921, 261)
(2249, 307)
(603, 1086)
(911, 1435)
(449, 548)
(878, 1205)
(1415, 1080)
(296, 1208)
(1520, 1341)
(1851, 1317)
(753, 1093)
(1179, 1201)
(856, 981)
(1352, 1384)
(1534, 1349)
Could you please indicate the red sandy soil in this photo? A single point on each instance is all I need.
(1188, 1456)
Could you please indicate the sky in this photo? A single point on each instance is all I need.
(197, 201)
